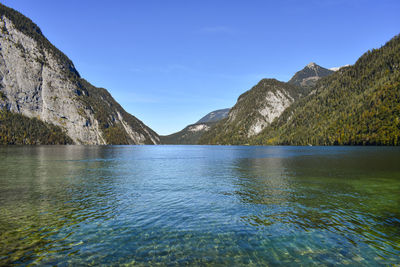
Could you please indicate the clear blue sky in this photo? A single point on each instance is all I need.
(171, 62)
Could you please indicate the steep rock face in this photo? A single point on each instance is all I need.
(309, 75)
(38, 81)
(254, 110)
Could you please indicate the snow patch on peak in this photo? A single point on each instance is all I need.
(338, 68)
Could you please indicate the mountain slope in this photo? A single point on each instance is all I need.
(215, 116)
(309, 75)
(191, 134)
(357, 105)
(39, 81)
(253, 111)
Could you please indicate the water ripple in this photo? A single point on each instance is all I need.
(195, 205)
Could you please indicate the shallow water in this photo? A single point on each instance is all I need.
(199, 205)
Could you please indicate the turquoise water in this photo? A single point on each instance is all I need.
(199, 205)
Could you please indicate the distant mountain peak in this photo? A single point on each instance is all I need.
(309, 75)
(312, 65)
(215, 116)
(192, 133)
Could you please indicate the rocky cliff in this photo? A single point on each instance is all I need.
(39, 81)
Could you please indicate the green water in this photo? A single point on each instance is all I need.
(199, 205)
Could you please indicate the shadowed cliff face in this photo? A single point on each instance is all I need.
(39, 81)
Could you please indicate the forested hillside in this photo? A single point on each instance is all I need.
(190, 135)
(16, 129)
(357, 105)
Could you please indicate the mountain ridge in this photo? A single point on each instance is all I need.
(215, 116)
(357, 105)
(253, 111)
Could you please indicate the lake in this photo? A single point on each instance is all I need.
(199, 205)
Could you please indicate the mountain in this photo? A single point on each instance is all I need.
(41, 85)
(215, 116)
(253, 111)
(357, 105)
(191, 134)
(309, 75)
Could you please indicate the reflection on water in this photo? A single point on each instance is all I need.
(351, 197)
(201, 205)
